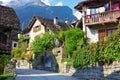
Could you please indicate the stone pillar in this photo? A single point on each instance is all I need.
(66, 67)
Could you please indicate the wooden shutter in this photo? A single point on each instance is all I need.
(101, 34)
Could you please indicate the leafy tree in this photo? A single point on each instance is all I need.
(43, 43)
(61, 36)
(23, 41)
(18, 51)
(73, 38)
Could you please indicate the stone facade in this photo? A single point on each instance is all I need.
(9, 29)
(10, 67)
(98, 72)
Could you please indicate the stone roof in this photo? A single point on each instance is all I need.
(48, 23)
(8, 18)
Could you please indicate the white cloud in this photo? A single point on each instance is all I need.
(78, 15)
(5, 1)
(59, 4)
(47, 2)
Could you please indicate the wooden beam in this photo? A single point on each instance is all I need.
(103, 22)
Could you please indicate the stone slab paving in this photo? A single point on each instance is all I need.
(27, 74)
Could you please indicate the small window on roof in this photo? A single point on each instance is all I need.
(37, 28)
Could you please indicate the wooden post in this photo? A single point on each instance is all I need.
(110, 5)
(10, 41)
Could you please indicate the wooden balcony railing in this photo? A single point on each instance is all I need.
(4, 49)
(101, 18)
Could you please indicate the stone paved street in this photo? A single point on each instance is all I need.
(27, 74)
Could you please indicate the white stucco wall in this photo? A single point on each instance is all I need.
(92, 34)
(33, 34)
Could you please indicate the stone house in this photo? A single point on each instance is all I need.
(39, 26)
(99, 17)
(9, 29)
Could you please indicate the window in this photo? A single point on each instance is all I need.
(105, 32)
(15, 45)
(36, 28)
(110, 31)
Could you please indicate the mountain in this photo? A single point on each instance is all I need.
(20, 3)
(1, 2)
(26, 9)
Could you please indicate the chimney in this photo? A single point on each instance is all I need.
(55, 20)
(66, 21)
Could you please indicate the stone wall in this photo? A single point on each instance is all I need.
(97, 72)
(42, 62)
(10, 67)
(23, 64)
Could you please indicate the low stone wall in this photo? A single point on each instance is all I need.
(97, 72)
(112, 71)
(23, 64)
(10, 67)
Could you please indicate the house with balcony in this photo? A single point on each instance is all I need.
(99, 17)
(9, 29)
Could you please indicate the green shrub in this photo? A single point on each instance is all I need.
(104, 52)
(1, 68)
(5, 76)
(46, 42)
(73, 36)
(16, 52)
(80, 57)
(71, 39)
(4, 59)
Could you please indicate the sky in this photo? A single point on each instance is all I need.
(69, 3)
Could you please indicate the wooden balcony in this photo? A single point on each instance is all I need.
(4, 49)
(101, 18)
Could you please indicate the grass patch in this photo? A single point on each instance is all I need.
(5, 76)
